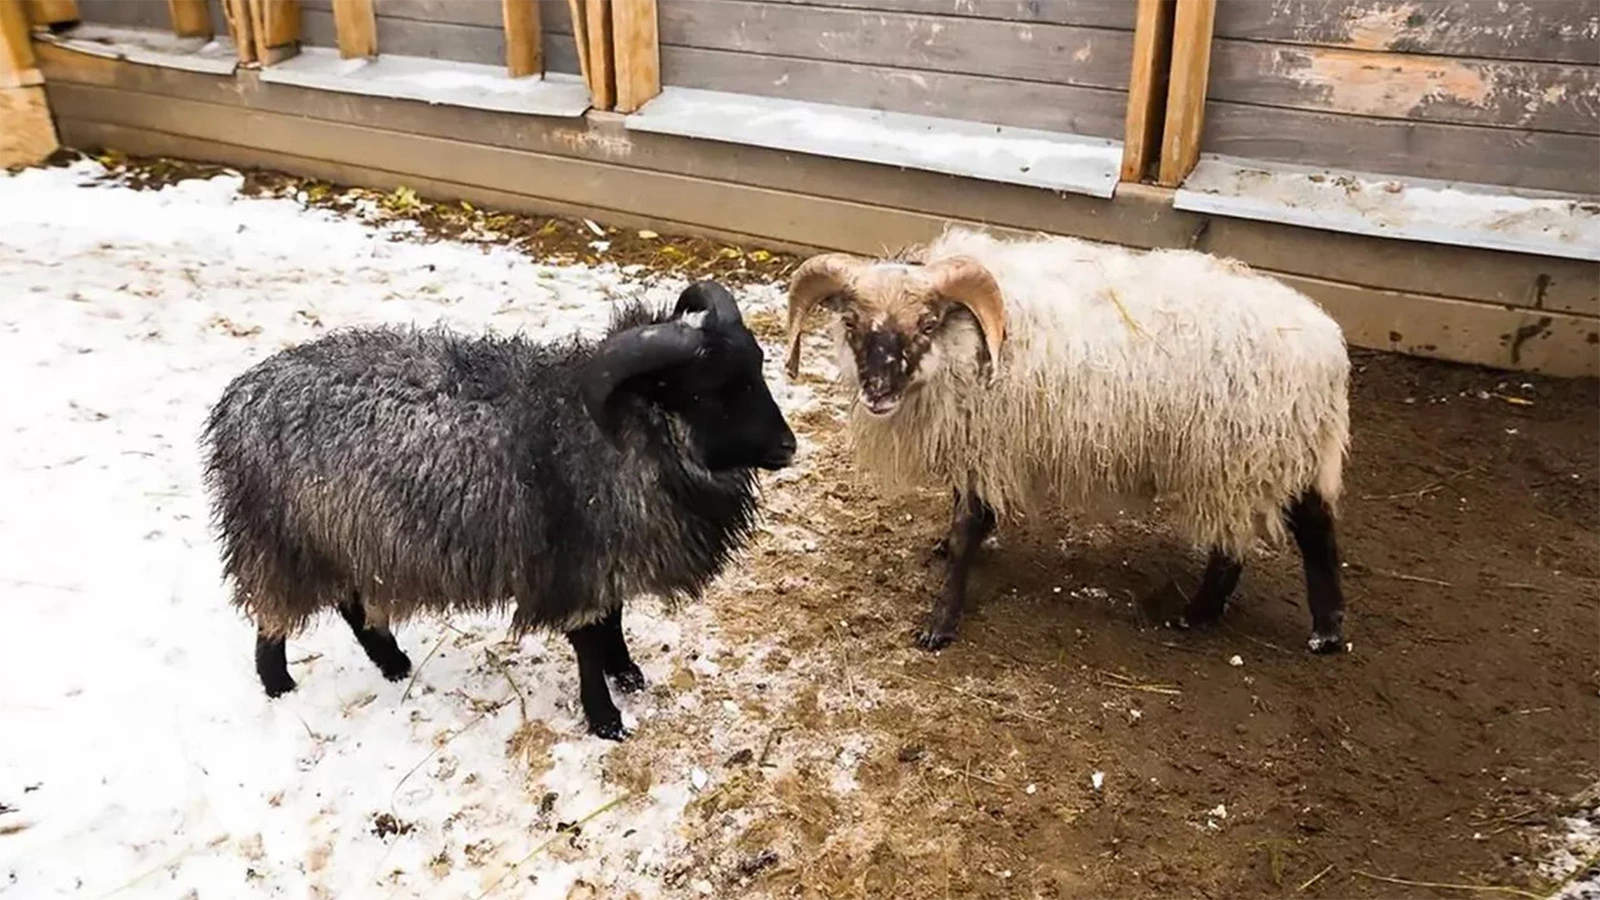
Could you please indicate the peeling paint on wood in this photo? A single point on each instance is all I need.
(1549, 30)
(1540, 96)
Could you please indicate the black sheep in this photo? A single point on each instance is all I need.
(385, 471)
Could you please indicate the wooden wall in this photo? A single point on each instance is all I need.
(1059, 65)
(1503, 92)
(460, 30)
(143, 14)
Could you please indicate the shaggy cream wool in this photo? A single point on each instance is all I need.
(1169, 376)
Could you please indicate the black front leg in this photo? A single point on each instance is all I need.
(618, 662)
(272, 665)
(971, 522)
(374, 636)
(591, 643)
(1311, 522)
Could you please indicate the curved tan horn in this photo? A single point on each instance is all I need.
(964, 280)
(816, 279)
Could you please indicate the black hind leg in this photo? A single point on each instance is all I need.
(985, 524)
(376, 639)
(591, 643)
(971, 522)
(272, 665)
(1216, 586)
(618, 663)
(1310, 520)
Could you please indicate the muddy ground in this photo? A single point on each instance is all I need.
(1443, 748)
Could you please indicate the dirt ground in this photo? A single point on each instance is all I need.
(1234, 763)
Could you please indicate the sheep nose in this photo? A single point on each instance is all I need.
(784, 453)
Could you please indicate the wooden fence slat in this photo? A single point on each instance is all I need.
(1186, 95)
(1111, 14)
(16, 54)
(241, 29)
(1147, 88)
(638, 53)
(190, 18)
(524, 38)
(52, 12)
(602, 77)
(356, 26)
(580, 37)
(275, 29)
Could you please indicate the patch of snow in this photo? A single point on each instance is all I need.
(1025, 156)
(140, 753)
(150, 47)
(436, 81)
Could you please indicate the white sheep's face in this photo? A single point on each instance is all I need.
(893, 344)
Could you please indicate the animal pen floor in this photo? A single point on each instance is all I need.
(794, 742)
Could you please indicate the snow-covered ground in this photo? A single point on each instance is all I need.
(139, 755)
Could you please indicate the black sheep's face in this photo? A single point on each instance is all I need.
(722, 397)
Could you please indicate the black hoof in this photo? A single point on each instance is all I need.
(1194, 619)
(611, 730)
(276, 688)
(397, 668)
(629, 680)
(1323, 644)
(935, 638)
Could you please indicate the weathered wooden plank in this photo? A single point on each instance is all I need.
(190, 18)
(637, 51)
(17, 68)
(52, 12)
(602, 70)
(132, 13)
(1117, 14)
(1056, 54)
(524, 42)
(239, 18)
(1139, 216)
(1064, 108)
(1497, 156)
(1537, 96)
(1428, 326)
(438, 40)
(274, 29)
(1547, 30)
(1186, 89)
(553, 14)
(355, 26)
(27, 133)
(1147, 89)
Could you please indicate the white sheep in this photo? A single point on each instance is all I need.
(1051, 371)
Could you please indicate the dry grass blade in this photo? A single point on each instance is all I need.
(1415, 579)
(552, 839)
(1445, 886)
(418, 670)
(1315, 878)
(1129, 683)
(978, 697)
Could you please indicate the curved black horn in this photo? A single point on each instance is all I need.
(709, 296)
(647, 348)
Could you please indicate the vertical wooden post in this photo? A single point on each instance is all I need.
(637, 51)
(524, 38)
(580, 36)
(16, 54)
(1186, 96)
(357, 27)
(274, 29)
(241, 28)
(52, 12)
(1147, 89)
(602, 80)
(190, 18)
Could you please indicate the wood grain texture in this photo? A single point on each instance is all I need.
(239, 18)
(132, 13)
(1147, 89)
(1494, 156)
(443, 40)
(1115, 14)
(1429, 326)
(1537, 96)
(1539, 30)
(1139, 216)
(523, 37)
(190, 18)
(1186, 91)
(52, 12)
(17, 68)
(602, 73)
(1054, 54)
(356, 28)
(637, 52)
(553, 14)
(27, 133)
(1063, 108)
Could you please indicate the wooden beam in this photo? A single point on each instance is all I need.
(357, 27)
(637, 51)
(580, 36)
(27, 132)
(16, 53)
(52, 12)
(241, 29)
(1186, 96)
(1147, 89)
(524, 38)
(190, 18)
(274, 29)
(602, 78)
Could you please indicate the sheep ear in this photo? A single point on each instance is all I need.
(626, 354)
(709, 297)
(964, 280)
(817, 278)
